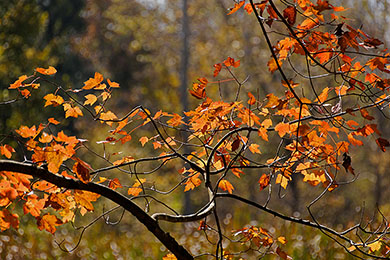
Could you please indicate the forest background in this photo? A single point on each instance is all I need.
(140, 45)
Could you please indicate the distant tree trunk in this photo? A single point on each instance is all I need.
(185, 56)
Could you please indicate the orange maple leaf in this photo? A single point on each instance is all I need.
(7, 150)
(7, 220)
(282, 129)
(72, 111)
(112, 84)
(18, 82)
(236, 7)
(90, 99)
(50, 71)
(226, 186)
(192, 182)
(93, 82)
(48, 222)
(143, 140)
(264, 181)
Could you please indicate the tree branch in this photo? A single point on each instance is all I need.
(152, 225)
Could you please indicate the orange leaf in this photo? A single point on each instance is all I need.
(144, 140)
(45, 138)
(254, 148)
(112, 84)
(53, 100)
(236, 7)
(7, 150)
(34, 205)
(7, 220)
(90, 99)
(230, 62)
(323, 96)
(169, 257)
(85, 199)
(115, 184)
(175, 121)
(264, 181)
(53, 121)
(134, 191)
(50, 71)
(252, 99)
(218, 68)
(27, 132)
(71, 111)
(354, 141)
(192, 182)
(108, 117)
(263, 133)
(226, 186)
(93, 82)
(266, 123)
(282, 240)
(282, 129)
(48, 222)
(18, 82)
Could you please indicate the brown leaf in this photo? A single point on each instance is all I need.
(290, 13)
(382, 143)
(347, 163)
(82, 172)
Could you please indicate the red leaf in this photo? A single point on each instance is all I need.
(218, 68)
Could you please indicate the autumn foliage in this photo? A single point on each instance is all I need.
(333, 81)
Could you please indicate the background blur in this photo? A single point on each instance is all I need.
(139, 44)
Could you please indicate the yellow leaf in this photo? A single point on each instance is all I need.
(282, 180)
(375, 246)
(282, 240)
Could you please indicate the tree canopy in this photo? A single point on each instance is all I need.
(239, 151)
